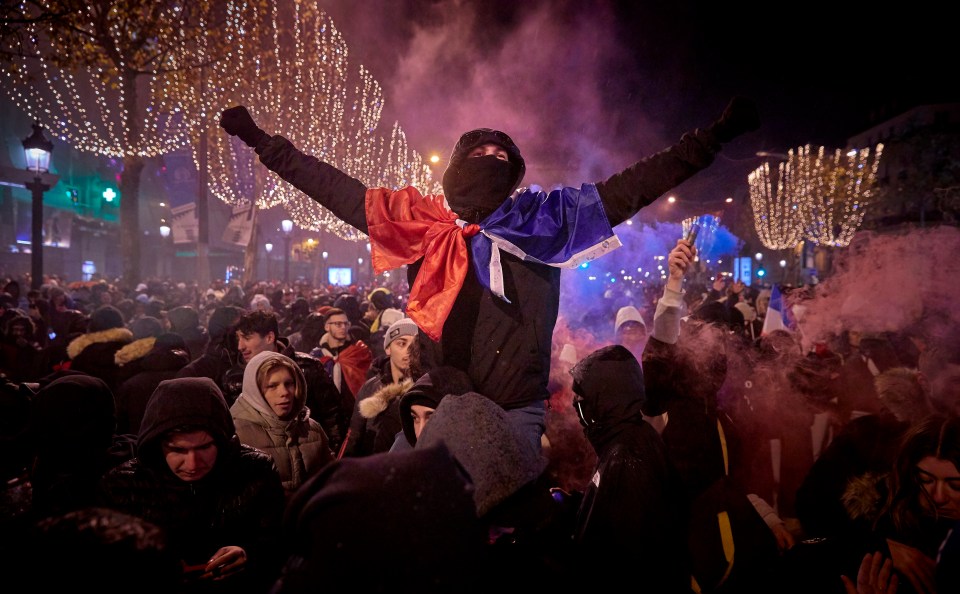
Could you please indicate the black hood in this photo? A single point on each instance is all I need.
(476, 187)
(610, 382)
(184, 402)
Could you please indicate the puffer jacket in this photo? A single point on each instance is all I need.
(376, 416)
(240, 502)
(504, 347)
(298, 446)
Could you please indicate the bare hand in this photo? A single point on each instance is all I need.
(784, 537)
(226, 562)
(680, 258)
(876, 576)
(916, 567)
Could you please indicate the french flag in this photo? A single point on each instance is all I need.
(779, 316)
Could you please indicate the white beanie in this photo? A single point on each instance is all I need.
(402, 327)
(628, 313)
(389, 316)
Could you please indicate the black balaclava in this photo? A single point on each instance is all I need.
(475, 187)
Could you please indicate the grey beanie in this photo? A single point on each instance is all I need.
(476, 431)
(402, 327)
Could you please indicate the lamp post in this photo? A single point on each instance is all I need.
(287, 226)
(37, 150)
(269, 247)
(164, 234)
(324, 279)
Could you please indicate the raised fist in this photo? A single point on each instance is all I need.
(740, 116)
(238, 122)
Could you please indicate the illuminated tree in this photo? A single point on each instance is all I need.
(298, 83)
(106, 77)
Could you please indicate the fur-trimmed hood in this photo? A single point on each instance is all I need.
(378, 402)
(137, 349)
(864, 496)
(81, 342)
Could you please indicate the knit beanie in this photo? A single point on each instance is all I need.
(222, 319)
(183, 318)
(146, 327)
(428, 391)
(476, 431)
(105, 317)
(402, 327)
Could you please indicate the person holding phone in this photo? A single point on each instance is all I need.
(220, 502)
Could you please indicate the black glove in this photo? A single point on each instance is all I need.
(237, 122)
(740, 116)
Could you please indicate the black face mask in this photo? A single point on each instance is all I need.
(480, 186)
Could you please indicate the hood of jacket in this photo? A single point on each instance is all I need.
(81, 342)
(252, 395)
(610, 382)
(194, 402)
(864, 496)
(376, 403)
(137, 349)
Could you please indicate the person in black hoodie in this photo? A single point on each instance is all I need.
(484, 310)
(634, 511)
(220, 502)
(73, 438)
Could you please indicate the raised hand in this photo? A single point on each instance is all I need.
(740, 116)
(238, 122)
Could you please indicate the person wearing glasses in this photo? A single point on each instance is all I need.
(345, 359)
(484, 264)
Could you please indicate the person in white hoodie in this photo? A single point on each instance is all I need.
(271, 415)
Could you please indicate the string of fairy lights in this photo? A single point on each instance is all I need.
(297, 82)
(817, 197)
(117, 102)
(285, 60)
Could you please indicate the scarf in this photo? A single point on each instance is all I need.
(564, 228)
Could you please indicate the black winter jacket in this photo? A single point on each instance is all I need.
(504, 347)
(240, 502)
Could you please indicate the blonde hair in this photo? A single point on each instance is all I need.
(274, 363)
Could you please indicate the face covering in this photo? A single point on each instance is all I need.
(480, 186)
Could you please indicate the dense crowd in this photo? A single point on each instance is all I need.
(464, 432)
(732, 460)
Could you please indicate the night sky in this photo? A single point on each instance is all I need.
(587, 88)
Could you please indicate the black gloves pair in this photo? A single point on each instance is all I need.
(238, 122)
(740, 116)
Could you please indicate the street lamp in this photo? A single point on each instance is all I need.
(37, 149)
(269, 247)
(287, 226)
(164, 234)
(324, 280)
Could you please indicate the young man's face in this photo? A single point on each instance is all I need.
(399, 352)
(421, 414)
(280, 392)
(489, 149)
(338, 326)
(191, 455)
(254, 343)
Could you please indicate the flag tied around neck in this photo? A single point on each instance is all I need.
(564, 228)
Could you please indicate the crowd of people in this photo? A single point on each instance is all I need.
(457, 432)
